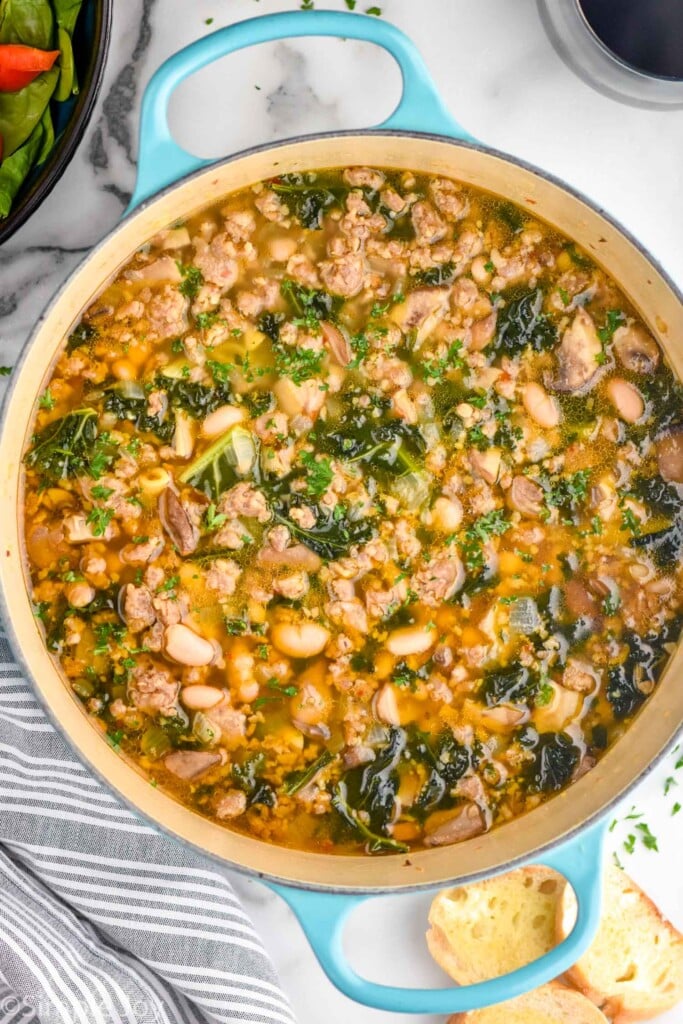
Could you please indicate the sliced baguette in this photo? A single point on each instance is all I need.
(483, 930)
(549, 1004)
(634, 968)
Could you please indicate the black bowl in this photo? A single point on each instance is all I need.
(90, 43)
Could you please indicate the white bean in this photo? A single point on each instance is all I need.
(479, 272)
(221, 419)
(200, 698)
(183, 645)
(299, 639)
(79, 594)
(281, 248)
(183, 435)
(447, 514)
(411, 640)
(541, 406)
(385, 705)
(626, 399)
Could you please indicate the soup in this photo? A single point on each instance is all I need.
(353, 511)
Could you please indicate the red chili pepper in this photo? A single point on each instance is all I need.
(19, 65)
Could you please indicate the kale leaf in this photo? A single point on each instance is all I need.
(522, 322)
(372, 789)
(443, 273)
(246, 776)
(447, 761)
(509, 686)
(388, 448)
(555, 760)
(308, 197)
(127, 400)
(311, 305)
(630, 682)
(296, 781)
(71, 446)
(229, 459)
(333, 532)
(81, 335)
(662, 497)
(194, 398)
(665, 546)
(374, 843)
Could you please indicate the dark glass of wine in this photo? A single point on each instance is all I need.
(646, 35)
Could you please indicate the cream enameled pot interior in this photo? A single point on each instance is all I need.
(657, 303)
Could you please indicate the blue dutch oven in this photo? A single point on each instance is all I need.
(565, 833)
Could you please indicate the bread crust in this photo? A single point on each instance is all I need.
(634, 968)
(550, 1004)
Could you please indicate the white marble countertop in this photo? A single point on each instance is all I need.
(501, 77)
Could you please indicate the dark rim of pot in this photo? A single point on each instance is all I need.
(92, 75)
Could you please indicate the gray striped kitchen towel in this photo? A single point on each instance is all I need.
(103, 920)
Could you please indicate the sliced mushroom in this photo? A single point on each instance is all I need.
(563, 707)
(78, 531)
(486, 464)
(385, 705)
(177, 523)
(421, 311)
(231, 805)
(636, 349)
(483, 331)
(336, 343)
(190, 764)
(670, 456)
(504, 718)
(297, 555)
(163, 269)
(466, 823)
(172, 238)
(525, 497)
(578, 355)
(578, 598)
(357, 755)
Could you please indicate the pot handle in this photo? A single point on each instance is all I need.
(323, 915)
(161, 161)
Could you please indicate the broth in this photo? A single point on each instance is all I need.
(353, 511)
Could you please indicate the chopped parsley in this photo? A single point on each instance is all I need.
(213, 519)
(299, 364)
(192, 280)
(493, 524)
(319, 473)
(435, 369)
(99, 519)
